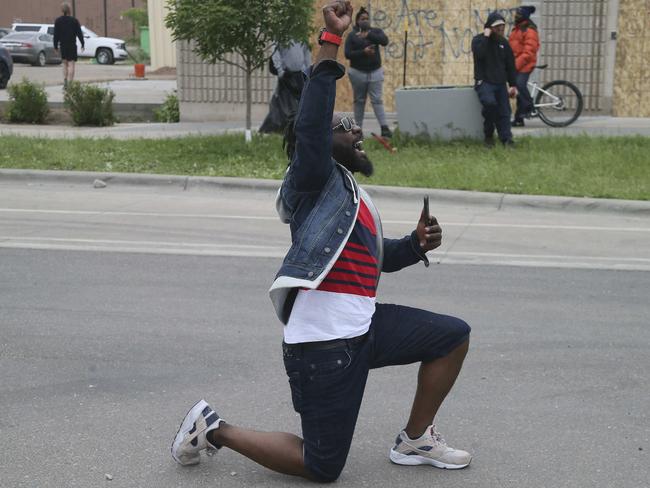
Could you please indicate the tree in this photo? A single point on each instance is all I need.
(137, 16)
(246, 28)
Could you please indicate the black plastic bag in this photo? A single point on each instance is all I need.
(284, 102)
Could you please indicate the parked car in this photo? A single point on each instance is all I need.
(4, 31)
(6, 67)
(31, 47)
(106, 50)
(43, 28)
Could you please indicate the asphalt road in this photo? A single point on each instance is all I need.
(120, 307)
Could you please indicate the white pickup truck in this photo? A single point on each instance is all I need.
(106, 50)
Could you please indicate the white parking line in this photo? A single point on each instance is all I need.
(153, 244)
(275, 218)
(247, 250)
(136, 214)
(149, 247)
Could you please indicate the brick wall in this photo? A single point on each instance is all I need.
(89, 12)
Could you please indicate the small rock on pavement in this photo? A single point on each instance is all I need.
(233, 473)
(99, 184)
(109, 477)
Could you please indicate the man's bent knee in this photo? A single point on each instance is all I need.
(325, 472)
(461, 334)
(463, 328)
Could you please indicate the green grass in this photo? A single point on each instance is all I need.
(617, 167)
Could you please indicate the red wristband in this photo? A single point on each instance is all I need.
(329, 37)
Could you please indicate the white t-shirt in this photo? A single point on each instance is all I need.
(344, 303)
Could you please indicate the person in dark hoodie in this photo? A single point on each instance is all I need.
(366, 74)
(524, 42)
(495, 78)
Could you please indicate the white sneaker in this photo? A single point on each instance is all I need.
(430, 449)
(191, 438)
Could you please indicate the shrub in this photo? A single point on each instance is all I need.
(168, 111)
(27, 103)
(89, 104)
(138, 55)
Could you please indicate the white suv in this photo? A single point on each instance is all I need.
(106, 50)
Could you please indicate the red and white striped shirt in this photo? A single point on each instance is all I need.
(343, 304)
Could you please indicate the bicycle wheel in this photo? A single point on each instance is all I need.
(559, 103)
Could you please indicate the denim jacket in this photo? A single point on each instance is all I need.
(319, 199)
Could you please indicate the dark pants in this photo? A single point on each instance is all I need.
(496, 110)
(524, 100)
(328, 379)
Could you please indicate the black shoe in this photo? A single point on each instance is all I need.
(518, 123)
(510, 144)
(488, 142)
(385, 132)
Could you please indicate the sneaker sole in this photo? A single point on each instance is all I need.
(186, 425)
(405, 460)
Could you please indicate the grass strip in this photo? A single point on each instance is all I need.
(601, 167)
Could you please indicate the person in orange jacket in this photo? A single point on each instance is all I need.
(524, 42)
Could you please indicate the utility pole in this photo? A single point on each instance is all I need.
(105, 20)
(74, 8)
(133, 23)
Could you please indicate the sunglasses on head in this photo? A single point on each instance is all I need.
(346, 123)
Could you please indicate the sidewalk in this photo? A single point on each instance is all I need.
(603, 125)
(85, 72)
(593, 126)
(134, 91)
(144, 94)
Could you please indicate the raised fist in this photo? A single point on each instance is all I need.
(338, 16)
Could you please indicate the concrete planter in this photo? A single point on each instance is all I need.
(442, 112)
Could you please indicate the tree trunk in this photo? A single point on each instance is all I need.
(249, 96)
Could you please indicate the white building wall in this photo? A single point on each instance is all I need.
(163, 49)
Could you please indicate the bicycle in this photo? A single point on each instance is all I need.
(558, 103)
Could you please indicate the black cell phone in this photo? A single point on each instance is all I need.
(427, 221)
(427, 215)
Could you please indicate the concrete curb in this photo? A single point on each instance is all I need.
(184, 183)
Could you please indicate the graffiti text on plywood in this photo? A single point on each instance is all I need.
(431, 31)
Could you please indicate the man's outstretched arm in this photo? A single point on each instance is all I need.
(312, 162)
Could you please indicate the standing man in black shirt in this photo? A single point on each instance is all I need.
(66, 30)
(494, 66)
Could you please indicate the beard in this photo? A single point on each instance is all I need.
(355, 161)
(365, 166)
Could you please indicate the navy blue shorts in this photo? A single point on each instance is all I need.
(328, 379)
